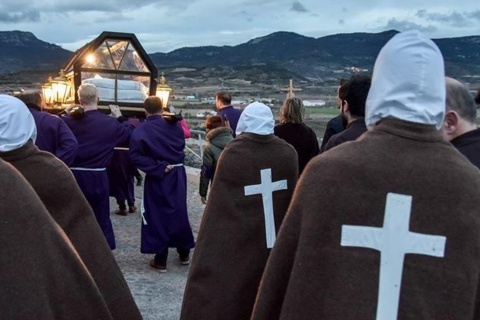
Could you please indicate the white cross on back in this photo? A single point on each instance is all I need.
(266, 189)
(393, 241)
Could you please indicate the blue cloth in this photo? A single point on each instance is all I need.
(232, 115)
(97, 134)
(54, 136)
(154, 145)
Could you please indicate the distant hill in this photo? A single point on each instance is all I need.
(318, 59)
(271, 59)
(23, 51)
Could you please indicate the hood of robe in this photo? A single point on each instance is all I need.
(256, 118)
(408, 82)
(17, 125)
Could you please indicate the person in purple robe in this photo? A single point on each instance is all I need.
(121, 173)
(53, 135)
(156, 148)
(97, 134)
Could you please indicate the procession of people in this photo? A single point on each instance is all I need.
(380, 222)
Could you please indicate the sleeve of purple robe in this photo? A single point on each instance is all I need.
(147, 164)
(67, 144)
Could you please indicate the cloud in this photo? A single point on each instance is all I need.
(474, 15)
(404, 25)
(298, 7)
(32, 16)
(454, 18)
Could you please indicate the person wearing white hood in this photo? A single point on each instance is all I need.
(254, 181)
(385, 227)
(60, 194)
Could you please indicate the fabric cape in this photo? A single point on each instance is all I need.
(42, 276)
(311, 276)
(59, 192)
(231, 249)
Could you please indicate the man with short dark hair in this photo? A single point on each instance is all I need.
(352, 96)
(336, 124)
(223, 102)
(156, 148)
(460, 124)
(53, 135)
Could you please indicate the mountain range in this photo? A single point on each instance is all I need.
(272, 58)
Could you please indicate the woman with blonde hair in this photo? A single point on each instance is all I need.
(293, 130)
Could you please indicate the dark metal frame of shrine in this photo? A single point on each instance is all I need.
(117, 64)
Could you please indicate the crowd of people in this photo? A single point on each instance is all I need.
(378, 221)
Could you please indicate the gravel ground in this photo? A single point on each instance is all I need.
(158, 295)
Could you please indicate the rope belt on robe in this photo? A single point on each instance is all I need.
(87, 169)
(142, 207)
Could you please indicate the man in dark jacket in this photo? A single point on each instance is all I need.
(352, 95)
(229, 114)
(460, 126)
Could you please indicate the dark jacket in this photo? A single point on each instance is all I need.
(302, 138)
(354, 130)
(334, 126)
(469, 145)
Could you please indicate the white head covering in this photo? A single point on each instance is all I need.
(408, 82)
(17, 125)
(256, 118)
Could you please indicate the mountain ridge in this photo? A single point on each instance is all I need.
(273, 58)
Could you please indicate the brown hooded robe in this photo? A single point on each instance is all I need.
(231, 249)
(41, 275)
(59, 192)
(310, 275)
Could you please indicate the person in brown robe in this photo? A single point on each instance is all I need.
(41, 275)
(388, 226)
(253, 185)
(59, 192)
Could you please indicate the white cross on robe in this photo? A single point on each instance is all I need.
(393, 241)
(266, 189)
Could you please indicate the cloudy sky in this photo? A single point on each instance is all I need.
(165, 25)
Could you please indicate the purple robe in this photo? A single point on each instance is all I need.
(154, 145)
(97, 134)
(54, 136)
(121, 173)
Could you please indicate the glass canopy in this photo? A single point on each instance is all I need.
(117, 65)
